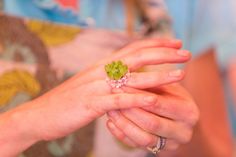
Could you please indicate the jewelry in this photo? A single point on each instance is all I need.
(159, 146)
(117, 73)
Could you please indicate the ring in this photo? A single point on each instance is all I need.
(159, 146)
(118, 74)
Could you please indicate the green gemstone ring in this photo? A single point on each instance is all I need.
(117, 73)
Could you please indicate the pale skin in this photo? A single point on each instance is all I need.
(87, 96)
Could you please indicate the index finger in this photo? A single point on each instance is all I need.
(150, 43)
(155, 56)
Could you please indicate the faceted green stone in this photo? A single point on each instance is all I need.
(116, 70)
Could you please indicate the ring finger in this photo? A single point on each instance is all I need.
(135, 136)
(158, 125)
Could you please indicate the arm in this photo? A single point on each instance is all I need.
(17, 132)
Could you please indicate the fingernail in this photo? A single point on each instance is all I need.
(114, 115)
(176, 73)
(149, 100)
(183, 53)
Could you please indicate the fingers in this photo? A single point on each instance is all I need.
(154, 79)
(140, 137)
(149, 43)
(106, 103)
(158, 125)
(171, 106)
(155, 56)
(130, 134)
(170, 145)
(119, 134)
(175, 108)
(171, 43)
(141, 53)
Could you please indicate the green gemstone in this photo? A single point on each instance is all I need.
(116, 70)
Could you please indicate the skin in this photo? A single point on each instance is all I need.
(87, 96)
(173, 118)
(208, 93)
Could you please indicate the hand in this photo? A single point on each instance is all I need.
(172, 117)
(87, 96)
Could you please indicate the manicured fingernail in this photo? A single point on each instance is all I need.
(176, 73)
(149, 100)
(183, 53)
(114, 115)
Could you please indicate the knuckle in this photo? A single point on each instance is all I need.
(121, 136)
(149, 141)
(187, 138)
(155, 125)
(194, 114)
(158, 107)
(173, 147)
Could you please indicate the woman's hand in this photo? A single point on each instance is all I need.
(87, 95)
(172, 117)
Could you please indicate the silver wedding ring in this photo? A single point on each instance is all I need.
(159, 146)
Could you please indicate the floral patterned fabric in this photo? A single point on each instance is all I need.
(35, 56)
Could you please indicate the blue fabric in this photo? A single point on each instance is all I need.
(208, 23)
(89, 9)
(202, 24)
(44, 10)
(199, 23)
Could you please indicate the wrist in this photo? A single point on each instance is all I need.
(17, 132)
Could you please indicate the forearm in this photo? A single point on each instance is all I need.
(16, 132)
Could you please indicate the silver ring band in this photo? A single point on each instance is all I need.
(159, 146)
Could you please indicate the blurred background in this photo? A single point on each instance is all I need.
(44, 42)
(1, 4)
